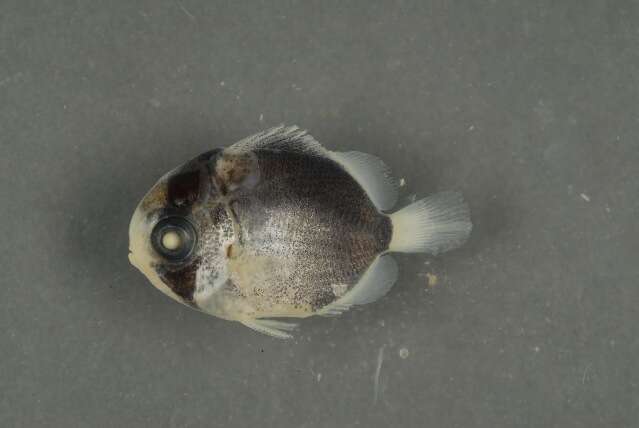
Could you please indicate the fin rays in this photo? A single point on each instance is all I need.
(373, 285)
(273, 328)
(372, 174)
(290, 138)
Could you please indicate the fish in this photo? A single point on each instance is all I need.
(277, 227)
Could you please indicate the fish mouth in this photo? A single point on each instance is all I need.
(133, 261)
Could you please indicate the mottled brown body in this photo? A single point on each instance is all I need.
(311, 219)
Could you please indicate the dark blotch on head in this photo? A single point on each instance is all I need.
(191, 182)
(184, 188)
(181, 279)
(208, 157)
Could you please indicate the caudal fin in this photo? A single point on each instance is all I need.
(432, 225)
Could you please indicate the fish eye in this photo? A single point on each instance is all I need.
(174, 238)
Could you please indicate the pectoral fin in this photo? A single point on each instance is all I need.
(273, 328)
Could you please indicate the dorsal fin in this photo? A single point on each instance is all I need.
(369, 171)
(372, 174)
(374, 284)
(285, 138)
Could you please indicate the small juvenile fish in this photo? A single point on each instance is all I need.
(276, 226)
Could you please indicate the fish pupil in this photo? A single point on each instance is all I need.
(171, 240)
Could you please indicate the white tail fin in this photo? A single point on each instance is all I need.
(438, 223)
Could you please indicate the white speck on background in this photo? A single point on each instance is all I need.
(431, 280)
(585, 197)
(319, 377)
(403, 353)
(378, 370)
(585, 375)
(11, 79)
(545, 113)
(471, 127)
(222, 83)
(186, 12)
(261, 117)
(402, 182)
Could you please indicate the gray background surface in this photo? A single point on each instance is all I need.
(529, 108)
